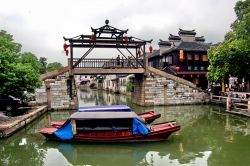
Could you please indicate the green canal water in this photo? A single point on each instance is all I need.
(208, 137)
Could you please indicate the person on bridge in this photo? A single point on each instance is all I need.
(129, 61)
(118, 60)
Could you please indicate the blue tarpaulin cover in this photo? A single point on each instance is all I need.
(65, 132)
(139, 127)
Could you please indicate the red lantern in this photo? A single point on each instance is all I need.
(67, 52)
(65, 46)
(177, 68)
(126, 39)
(181, 57)
(191, 75)
(198, 75)
(150, 49)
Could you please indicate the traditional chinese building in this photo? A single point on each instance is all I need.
(184, 55)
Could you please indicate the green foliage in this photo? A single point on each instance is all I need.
(54, 66)
(43, 62)
(15, 76)
(232, 56)
(129, 86)
(29, 58)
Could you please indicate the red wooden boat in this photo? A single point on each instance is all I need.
(109, 127)
(149, 117)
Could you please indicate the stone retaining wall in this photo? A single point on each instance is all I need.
(59, 96)
(54, 93)
(41, 94)
(160, 88)
(13, 124)
(163, 91)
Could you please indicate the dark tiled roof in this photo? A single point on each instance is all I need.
(164, 43)
(187, 32)
(190, 46)
(202, 39)
(155, 54)
(193, 46)
(173, 37)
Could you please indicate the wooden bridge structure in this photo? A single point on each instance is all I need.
(107, 37)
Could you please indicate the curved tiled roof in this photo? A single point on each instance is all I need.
(164, 43)
(173, 37)
(193, 46)
(190, 46)
(201, 38)
(187, 32)
(155, 54)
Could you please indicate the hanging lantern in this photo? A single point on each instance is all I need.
(198, 75)
(177, 68)
(65, 46)
(126, 39)
(150, 49)
(181, 55)
(191, 75)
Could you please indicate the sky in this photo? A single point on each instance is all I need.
(39, 25)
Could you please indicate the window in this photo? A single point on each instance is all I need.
(196, 57)
(190, 57)
(204, 58)
(170, 59)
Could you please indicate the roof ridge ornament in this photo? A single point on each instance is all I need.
(107, 22)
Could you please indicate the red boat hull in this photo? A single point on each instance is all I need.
(158, 132)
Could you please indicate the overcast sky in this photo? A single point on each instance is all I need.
(39, 25)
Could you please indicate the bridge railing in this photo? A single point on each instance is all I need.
(109, 63)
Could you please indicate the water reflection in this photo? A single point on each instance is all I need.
(208, 137)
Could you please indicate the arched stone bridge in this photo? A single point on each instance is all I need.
(152, 86)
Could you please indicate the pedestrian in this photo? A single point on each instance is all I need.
(129, 61)
(118, 60)
(122, 62)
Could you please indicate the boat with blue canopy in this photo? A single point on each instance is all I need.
(149, 116)
(109, 127)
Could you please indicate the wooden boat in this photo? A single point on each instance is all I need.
(109, 127)
(149, 117)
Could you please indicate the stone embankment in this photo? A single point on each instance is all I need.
(9, 125)
(55, 93)
(160, 88)
(59, 96)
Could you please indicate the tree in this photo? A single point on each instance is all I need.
(232, 56)
(54, 66)
(29, 58)
(129, 86)
(15, 77)
(43, 62)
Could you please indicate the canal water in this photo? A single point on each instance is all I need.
(208, 137)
